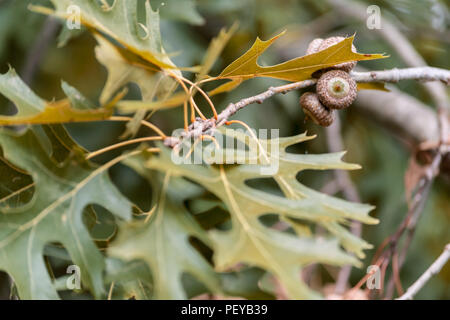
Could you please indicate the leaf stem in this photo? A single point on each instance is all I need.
(204, 94)
(181, 81)
(145, 123)
(121, 144)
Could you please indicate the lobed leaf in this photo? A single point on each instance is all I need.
(54, 213)
(125, 67)
(249, 240)
(119, 22)
(163, 242)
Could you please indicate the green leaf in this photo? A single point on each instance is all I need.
(118, 22)
(16, 186)
(244, 283)
(77, 100)
(128, 280)
(301, 68)
(133, 280)
(163, 241)
(67, 34)
(54, 214)
(249, 241)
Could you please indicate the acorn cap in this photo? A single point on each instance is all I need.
(336, 89)
(312, 107)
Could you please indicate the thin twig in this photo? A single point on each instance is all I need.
(435, 268)
(143, 122)
(335, 144)
(389, 246)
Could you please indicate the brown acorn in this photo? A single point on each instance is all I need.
(336, 89)
(321, 115)
(314, 45)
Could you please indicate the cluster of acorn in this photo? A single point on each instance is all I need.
(335, 88)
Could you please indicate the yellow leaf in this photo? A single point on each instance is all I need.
(174, 101)
(58, 112)
(298, 69)
(31, 109)
(228, 86)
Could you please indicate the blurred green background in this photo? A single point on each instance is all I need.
(384, 158)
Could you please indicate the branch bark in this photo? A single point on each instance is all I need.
(201, 127)
(395, 75)
(435, 268)
(346, 185)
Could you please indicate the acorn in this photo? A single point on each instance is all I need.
(314, 45)
(336, 89)
(328, 42)
(320, 44)
(321, 115)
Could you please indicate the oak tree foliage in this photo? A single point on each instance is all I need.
(205, 220)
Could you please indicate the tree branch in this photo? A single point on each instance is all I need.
(201, 127)
(390, 246)
(395, 75)
(435, 268)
